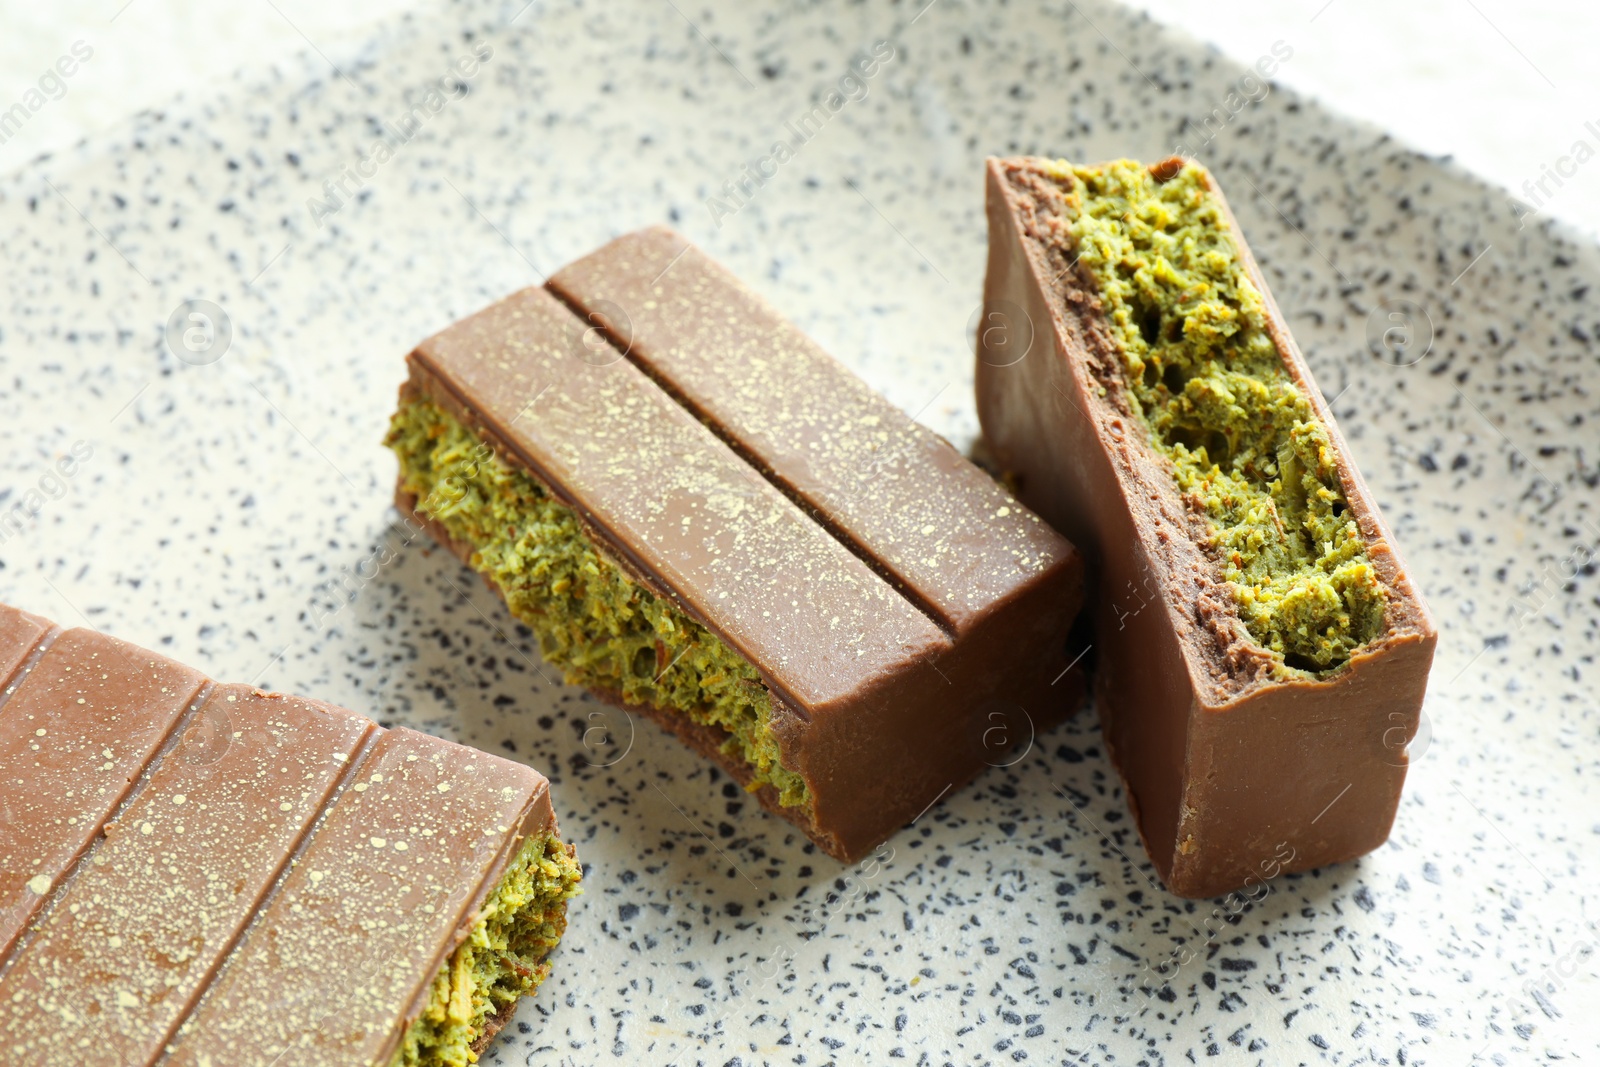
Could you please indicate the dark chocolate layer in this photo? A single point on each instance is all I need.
(1230, 765)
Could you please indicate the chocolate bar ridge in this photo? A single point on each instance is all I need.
(201, 852)
(898, 495)
(848, 653)
(1236, 767)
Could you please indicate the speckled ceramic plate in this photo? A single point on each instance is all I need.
(231, 507)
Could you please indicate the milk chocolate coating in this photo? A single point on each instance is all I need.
(943, 531)
(1234, 774)
(193, 870)
(75, 734)
(882, 693)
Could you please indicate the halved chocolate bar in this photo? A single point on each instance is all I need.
(1262, 654)
(706, 518)
(218, 875)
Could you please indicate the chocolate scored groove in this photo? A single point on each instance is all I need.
(893, 597)
(176, 853)
(79, 729)
(940, 530)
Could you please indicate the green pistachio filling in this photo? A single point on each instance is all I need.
(593, 621)
(1204, 376)
(503, 958)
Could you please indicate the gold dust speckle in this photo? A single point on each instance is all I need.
(286, 806)
(39, 732)
(147, 828)
(179, 798)
(360, 787)
(444, 787)
(1002, 513)
(378, 842)
(40, 884)
(399, 846)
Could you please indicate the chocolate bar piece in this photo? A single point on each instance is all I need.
(705, 518)
(1262, 654)
(217, 875)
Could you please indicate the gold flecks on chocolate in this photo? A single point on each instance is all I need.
(124, 951)
(62, 784)
(359, 927)
(116, 946)
(584, 425)
(941, 530)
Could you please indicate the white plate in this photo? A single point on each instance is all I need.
(230, 511)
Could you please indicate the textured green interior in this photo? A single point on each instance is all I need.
(593, 621)
(1206, 378)
(503, 958)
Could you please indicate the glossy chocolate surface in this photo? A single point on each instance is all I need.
(677, 503)
(193, 871)
(895, 612)
(942, 530)
(75, 733)
(1234, 772)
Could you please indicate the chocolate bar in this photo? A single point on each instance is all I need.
(705, 518)
(1261, 651)
(202, 873)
